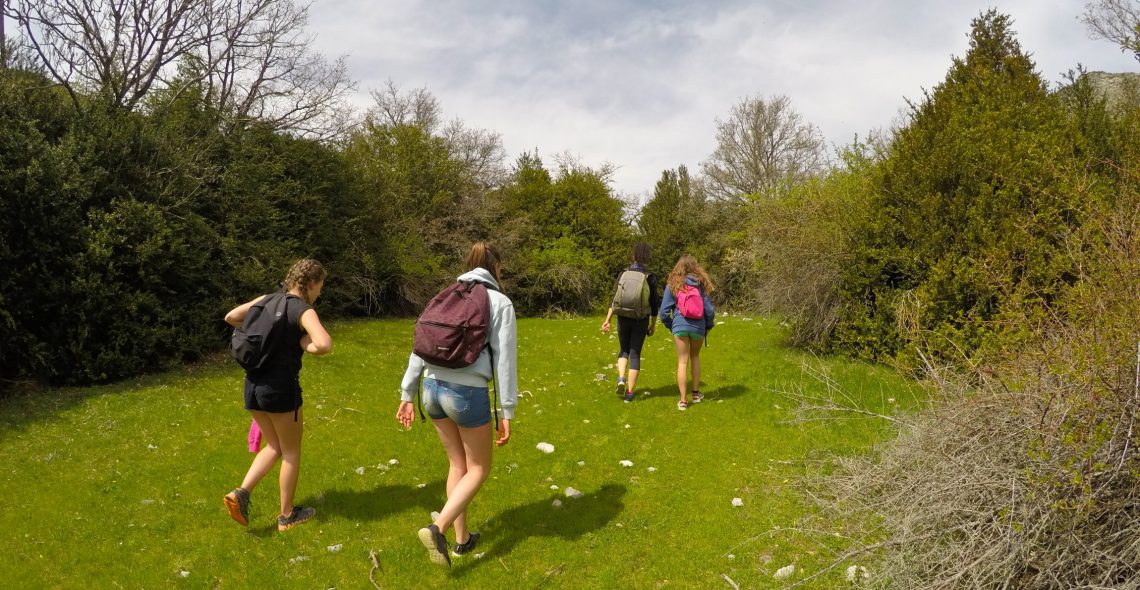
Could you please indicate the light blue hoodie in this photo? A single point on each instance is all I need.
(503, 343)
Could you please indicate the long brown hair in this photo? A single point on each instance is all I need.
(687, 265)
(641, 253)
(304, 274)
(486, 255)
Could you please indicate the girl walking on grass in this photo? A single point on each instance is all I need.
(688, 313)
(635, 319)
(457, 401)
(273, 393)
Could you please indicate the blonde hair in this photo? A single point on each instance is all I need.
(687, 265)
(304, 274)
(486, 255)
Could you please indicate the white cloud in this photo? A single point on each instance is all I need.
(639, 84)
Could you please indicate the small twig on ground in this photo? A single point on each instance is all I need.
(375, 566)
(550, 574)
(730, 582)
(344, 408)
(504, 564)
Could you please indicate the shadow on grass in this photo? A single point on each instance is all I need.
(669, 394)
(575, 518)
(382, 501)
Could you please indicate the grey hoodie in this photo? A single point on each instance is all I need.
(503, 342)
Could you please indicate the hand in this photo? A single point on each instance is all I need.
(606, 327)
(504, 432)
(405, 414)
(652, 327)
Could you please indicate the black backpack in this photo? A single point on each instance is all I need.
(261, 332)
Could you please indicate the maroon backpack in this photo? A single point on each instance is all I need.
(452, 330)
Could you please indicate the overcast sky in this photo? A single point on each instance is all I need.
(640, 84)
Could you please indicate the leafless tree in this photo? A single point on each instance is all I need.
(764, 145)
(252, 56)
(1117, 21)
(394, 107)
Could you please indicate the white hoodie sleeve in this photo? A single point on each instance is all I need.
(503, 344)
(411, 378)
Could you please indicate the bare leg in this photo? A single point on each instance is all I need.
(457, 467)
(695, 362)
(682, 345)
(476, 444)
(289, 435)
(622, 363)
(267, 457)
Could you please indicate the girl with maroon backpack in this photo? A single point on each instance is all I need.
(688, 313)
(456, 372)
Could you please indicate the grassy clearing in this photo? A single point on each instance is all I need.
(120, 486)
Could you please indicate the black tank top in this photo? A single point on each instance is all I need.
(284, 367)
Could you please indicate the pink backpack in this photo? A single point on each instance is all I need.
(690, 303)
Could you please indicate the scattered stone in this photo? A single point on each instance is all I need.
(553, 487)
(785, 572)
(183, 574)
(152, 447)
(556, 503)
(890, 400)
(561, 384)
(545, 447)
(585, 421)
(627, 425)
(421, 486)
(651, 469)
(335, 548)
(298, 559)
(360, 471)
(599, 377)
(581, 463)
(572, 493)
(737, 502)
(625, 463)
(479, 555)
(731, 557)
(393, 461)
(147, 501)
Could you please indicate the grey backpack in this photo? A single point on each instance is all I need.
(631, 300)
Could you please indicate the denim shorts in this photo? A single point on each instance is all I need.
(468, 407)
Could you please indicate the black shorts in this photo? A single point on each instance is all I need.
(274, 398)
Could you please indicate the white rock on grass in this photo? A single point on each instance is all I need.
(335, 548)
(553, 487)
(299, 559)
(572, 493)
(360, 471)
(651, 469)
(625, 463)
(737, 502)
(393, 461)
(857, 571)
(479, 555)
(545, 447)
(599, 377)
(785, 572)
(581, 463)
(421, 486)
(183, 574)
(556, 503)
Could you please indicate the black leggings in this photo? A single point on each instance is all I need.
(631, 336)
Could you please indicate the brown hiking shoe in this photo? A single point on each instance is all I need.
(299, 515)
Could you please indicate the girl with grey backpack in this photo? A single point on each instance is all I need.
(635, 303)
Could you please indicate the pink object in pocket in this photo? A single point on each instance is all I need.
(254, 437)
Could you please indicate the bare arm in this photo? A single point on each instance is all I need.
(237, 314)
(316, 339)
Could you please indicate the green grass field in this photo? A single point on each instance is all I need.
(120, 486)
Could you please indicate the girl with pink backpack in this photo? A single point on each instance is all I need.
(688, 313)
